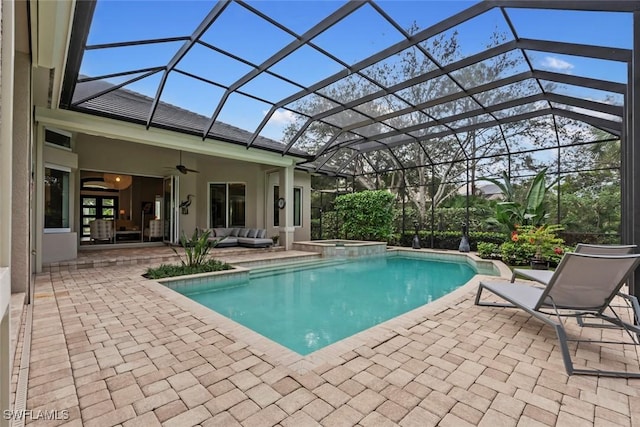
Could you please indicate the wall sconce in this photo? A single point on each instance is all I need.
(122, 213)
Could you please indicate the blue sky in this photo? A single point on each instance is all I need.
(360, 35)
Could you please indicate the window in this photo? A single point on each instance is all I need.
(59, 138)
(56, 198)
(297, 206)
(227, 205)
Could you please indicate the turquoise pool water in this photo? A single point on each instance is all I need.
(307, 308)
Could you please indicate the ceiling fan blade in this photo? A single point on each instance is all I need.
(192, 170)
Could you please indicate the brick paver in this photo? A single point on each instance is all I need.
(114, 348)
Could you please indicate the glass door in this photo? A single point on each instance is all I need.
(97, 207)
(170, 210)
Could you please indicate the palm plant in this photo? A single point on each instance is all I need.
(196, 248)
(511, 213)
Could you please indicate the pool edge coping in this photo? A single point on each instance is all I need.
(331, 354)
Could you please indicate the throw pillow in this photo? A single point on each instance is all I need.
(243, 232)
(252, 233)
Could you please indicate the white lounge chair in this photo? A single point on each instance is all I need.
(583, 285)
(543, 276)
(155, 229)
(101, 230)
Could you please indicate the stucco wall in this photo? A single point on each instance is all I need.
(20, 253)
(59, 247)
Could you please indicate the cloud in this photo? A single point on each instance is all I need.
(283, 117)
(556, 63)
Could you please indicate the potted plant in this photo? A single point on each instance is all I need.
(275, 239)
(544, 240)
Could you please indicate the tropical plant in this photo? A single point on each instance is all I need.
(532, 211)
(196, 258)
(196, 248)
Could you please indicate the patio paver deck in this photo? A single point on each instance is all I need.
(112, 349)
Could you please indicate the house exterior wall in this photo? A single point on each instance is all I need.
(104, 154)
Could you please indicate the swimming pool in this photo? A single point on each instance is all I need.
(306, 308)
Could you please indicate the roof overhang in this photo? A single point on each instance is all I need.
(51, 25)
(100, 126)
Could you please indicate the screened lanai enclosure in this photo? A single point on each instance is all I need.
(424, 98)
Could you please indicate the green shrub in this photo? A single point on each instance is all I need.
(366, 215)
(517, 253)
(172, 270)
(453, 218)
(446, 239)
(488, 250)
(543, 238)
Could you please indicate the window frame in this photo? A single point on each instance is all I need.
(69, 207)
(61, 132)
(227, 204)
(296, 190)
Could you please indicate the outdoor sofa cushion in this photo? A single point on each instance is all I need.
(226, 238)
(254, 243)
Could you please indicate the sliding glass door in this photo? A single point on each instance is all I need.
(170, 210)
(227, 205)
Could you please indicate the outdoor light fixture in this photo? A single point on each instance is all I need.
(464, 243)
(416, 239)
(118, 182)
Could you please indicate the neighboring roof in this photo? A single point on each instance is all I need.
(489, 191)
(365, 112)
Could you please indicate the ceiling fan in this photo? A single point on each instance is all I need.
(182, 168)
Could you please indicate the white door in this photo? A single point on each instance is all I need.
(170, 210)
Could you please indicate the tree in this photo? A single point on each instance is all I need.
(427, 170)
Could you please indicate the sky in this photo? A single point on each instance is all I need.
(363, 33)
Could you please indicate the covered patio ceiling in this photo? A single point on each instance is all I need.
(356, 87)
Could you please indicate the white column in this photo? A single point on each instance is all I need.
(286, 214)
(20, 171)
(6, 142)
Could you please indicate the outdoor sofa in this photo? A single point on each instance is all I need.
(245, 237)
